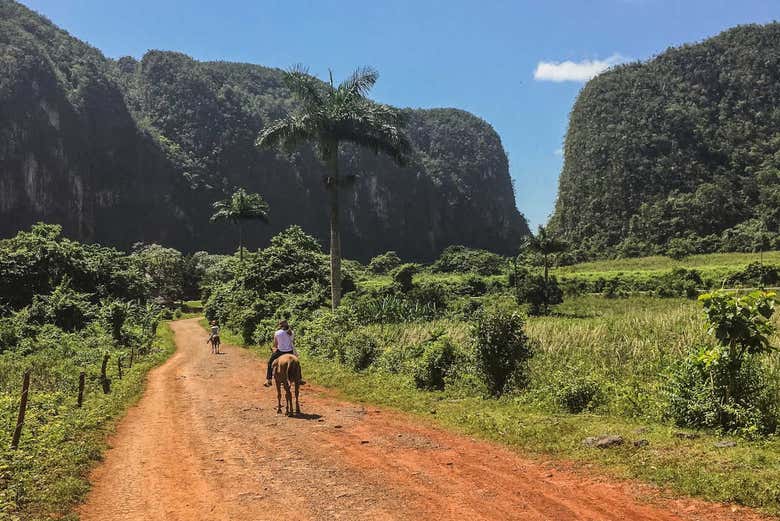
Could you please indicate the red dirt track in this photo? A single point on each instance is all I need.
(205, 443)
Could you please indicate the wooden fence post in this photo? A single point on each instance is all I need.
(103, 377)
(82, 376)
(22, 411)
(132, 356)
(119, 366)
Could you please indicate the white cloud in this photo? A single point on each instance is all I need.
(574, 71)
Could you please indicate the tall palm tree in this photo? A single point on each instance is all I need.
(239, 207)
(544, 244)
(328, 116)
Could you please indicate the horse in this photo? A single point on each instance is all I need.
(214, 341)
(287, 372)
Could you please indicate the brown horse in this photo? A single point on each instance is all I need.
(287, 372)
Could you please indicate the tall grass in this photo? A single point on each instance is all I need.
(709, 261)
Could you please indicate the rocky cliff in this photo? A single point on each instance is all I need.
(136, 150)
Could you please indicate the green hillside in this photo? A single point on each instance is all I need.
(680, 152)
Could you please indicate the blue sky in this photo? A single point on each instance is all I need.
(480, 56)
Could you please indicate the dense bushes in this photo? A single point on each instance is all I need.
(63, 307)
(459, 259)
(384, 263)
(359, 349)
(36, 262)
(435, 362)
(755, 274)
(723, 386)
(577, 392)
(403, 277)
(680, 283)
(288, 278)
(391, 308)
(501, 348)
(538, 293)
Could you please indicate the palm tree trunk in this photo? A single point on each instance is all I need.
(241, 242)
(332, 185)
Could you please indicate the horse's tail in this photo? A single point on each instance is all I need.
(294, 371)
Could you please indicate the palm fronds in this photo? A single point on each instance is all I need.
(241, 206)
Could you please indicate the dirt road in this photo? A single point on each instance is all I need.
(205, 443)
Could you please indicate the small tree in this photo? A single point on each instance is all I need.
(384, 263)
(403, 277)
(163, 268)
(238, 208)
(501, 347)
(542, 247)
(724, 386)
(536, 291)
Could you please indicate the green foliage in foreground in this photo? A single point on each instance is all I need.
(47, 475)
(723, 386)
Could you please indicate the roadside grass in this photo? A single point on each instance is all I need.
(48, 475)
(625, 345)
(748, 474)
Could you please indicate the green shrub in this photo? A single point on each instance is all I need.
(755, 274)
(64, 307)
(384, 263)
(430, 293)
(723, 386)
(679, 283)
(501, 348)
(466, 308)
(324, 334)
(394, 359)
(706, 393)
(539, 293)
(360, 350)
(114, 314)
(472, 285)
(575, 393)
(459, 259)
(264, 331)
(679, 248)
(403, 277)
(9, 334)
(434, 363)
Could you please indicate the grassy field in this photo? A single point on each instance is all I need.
(626, 345)
(635, 274)
(708, 261)
(47, 475)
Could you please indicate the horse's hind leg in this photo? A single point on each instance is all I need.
(297, 407)
(288, 399)
(278, 395)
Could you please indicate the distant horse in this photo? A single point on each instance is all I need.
(214, 341)
(287, 373)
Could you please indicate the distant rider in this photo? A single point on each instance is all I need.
(214, 336)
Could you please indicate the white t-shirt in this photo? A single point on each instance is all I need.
(284, 341)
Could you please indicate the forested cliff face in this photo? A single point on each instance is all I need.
(682, 151)
(136, 150)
